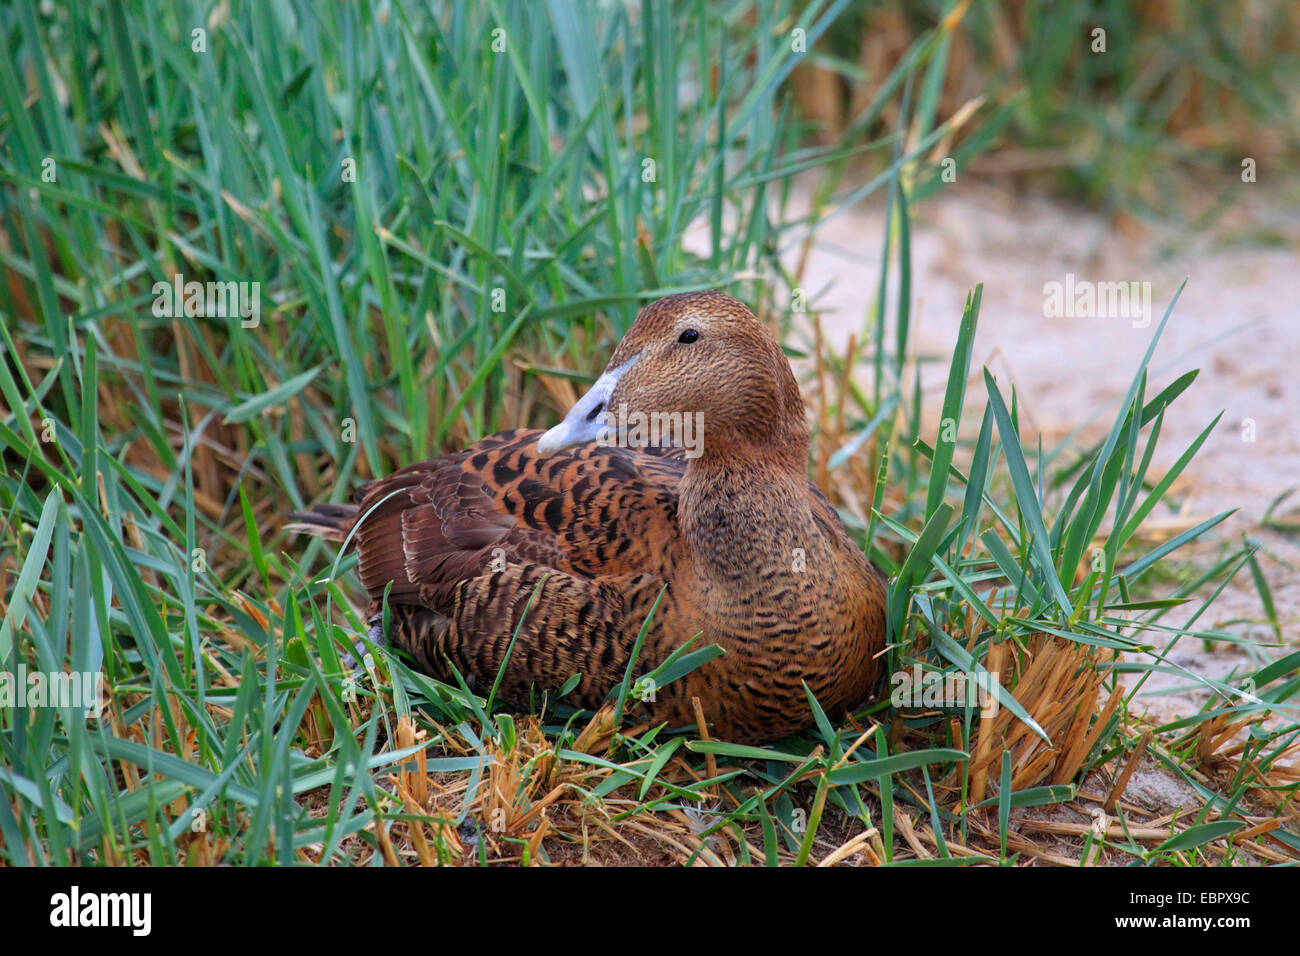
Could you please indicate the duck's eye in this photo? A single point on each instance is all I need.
(687, 337)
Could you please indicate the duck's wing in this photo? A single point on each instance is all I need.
(592, 511)
(569, 552)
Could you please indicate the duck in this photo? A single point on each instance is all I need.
(674, 499)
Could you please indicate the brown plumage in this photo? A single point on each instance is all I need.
(748, 553)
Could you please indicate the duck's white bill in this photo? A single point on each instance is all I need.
(586, 420)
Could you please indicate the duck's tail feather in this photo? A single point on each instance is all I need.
(329, 521)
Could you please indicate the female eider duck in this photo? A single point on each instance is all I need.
(747, 553)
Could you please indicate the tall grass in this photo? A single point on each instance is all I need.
(1124, 118)
(453, 213)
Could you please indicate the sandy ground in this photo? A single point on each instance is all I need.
(1238, 321)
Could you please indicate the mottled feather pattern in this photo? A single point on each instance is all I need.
(744, 550)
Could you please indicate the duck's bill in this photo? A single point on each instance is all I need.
(586, 420)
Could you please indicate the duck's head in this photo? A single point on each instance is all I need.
(698, 354)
